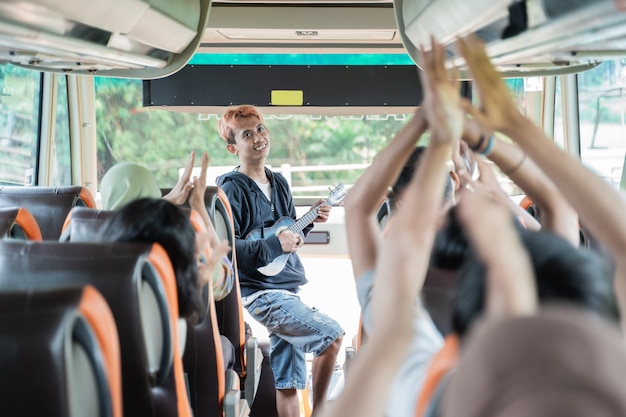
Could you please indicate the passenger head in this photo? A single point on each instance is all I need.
(156, 220)
(451, 247)
(126, 182)
(407, 172)
(563, 273)
(233, 118)
(561, 361)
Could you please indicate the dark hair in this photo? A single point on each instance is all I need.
(451, 248)
(408, 170)
(563, 274)
(156, 220)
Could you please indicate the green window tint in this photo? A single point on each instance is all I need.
(314, 151)
(301, 59)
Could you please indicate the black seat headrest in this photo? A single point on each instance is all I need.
(49, 205)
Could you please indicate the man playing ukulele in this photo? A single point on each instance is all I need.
(258, 198)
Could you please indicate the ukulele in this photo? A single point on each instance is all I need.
(297, 226)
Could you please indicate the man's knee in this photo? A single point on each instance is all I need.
(335, 346)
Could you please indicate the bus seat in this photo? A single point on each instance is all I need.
(527, 204)
(229, 310)
(441, 365)
(383, 214)
(264, 403)
(18, 223)
(138, 282)
(203, 359)
(83, 224)
(49, 205)
(61, 354)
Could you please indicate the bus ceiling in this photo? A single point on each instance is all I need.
(148, 39)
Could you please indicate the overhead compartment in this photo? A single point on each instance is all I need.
(523, 38)
(117, 38)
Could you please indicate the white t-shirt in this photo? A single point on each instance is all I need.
(408, 382)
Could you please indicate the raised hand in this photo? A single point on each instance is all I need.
(498, 110)
(196, 195)
(180, 192)
(441, 96)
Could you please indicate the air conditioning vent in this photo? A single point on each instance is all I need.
(118, 38)
(523, 38)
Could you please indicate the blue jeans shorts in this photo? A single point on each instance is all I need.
(295, 329)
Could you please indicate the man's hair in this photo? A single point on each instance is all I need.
(408, 170)
(563, 273)
(232, 118)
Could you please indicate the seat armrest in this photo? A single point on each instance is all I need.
(234, 405)
(254, 362)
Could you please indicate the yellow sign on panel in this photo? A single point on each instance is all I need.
(287, 97)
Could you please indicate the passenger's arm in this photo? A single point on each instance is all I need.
(556, 214)
(510, 288)
(364, 197)
(599, 205)
(488, 184)
(403, 259)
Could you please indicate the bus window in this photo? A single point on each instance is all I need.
(62, 174)
(19, 124)
(602, 103)
(527, 93)
(314, 152)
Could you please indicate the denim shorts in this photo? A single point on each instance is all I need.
(295, 329)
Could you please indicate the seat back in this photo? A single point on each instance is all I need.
(203, 359)
(138, 283)
(83, 224)
(60, 354)
(229, 310)
(442, 364)
(18, 223)
(204, 363)
(383, 214)
(48, 205)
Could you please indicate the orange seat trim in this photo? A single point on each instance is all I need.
(87, 198)
(160, 261)
(28, 224)
(96, 311)
(442, 363)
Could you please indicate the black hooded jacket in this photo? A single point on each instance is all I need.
(251, 211)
